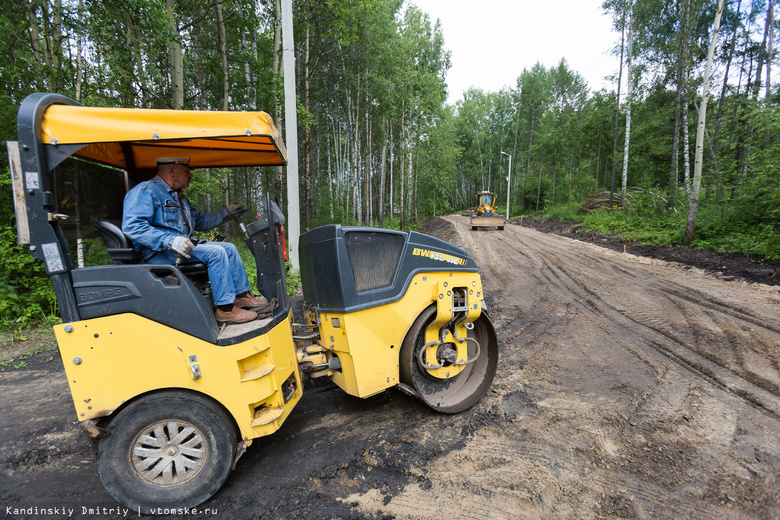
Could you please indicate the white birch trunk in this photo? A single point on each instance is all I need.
(770, 47)
(392, 160)
(414, 191)
(331, 178)
(409, 186)
(629, 101)
(686, 150)
(357, 206)
(382, 167)
(705, 94)
(248, 76)
(401, 169)
(79, 49)
(625, 149)
(254, 77)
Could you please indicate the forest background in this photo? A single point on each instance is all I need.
(378, 143)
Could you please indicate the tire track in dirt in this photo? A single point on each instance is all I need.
(611, 300)
(590, 414)
(508, 291)
(657, 312)
(704, 314)
(698, 306)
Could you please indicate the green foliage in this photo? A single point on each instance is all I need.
(437, 171)
(746, 219)
(741, 229)
(645, 218)
(16, 347)
(738, 230)
(563, 212)
(95, 252)
(665, 229)
(293, 279)
(207, 182)
(249, 263)
(26, 293)
(395, 223)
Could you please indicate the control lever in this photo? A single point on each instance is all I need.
(195, 241)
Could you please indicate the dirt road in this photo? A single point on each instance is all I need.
(627, 388)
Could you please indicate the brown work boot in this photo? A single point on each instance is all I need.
(250, 302)
(236, 315)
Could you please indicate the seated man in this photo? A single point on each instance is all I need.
(160, 219)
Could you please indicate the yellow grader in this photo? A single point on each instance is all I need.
(485, 214)
(171, 399)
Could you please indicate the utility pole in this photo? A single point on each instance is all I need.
(508, 182)
(291, 134)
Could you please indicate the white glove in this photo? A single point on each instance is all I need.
(235, 206)
(182, 246)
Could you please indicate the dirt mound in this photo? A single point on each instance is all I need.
(442, 229)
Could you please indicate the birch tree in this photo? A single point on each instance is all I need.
(629, 101)
(626, 144)
(700, 129)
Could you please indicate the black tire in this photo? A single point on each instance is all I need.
(463, 391)
(189, 469)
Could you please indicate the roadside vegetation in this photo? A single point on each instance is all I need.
(745, 229)
(17, 347)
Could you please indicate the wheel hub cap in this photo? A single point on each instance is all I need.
(169, 453)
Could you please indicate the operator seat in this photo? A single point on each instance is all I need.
(122, 252)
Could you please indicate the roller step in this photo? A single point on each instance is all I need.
(257, 372)
(265, 416)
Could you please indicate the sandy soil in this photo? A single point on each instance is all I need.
(628, 387)
(727, 266)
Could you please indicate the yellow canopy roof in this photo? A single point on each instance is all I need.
(132, 138)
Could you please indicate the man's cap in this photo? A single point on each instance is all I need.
(172, 160)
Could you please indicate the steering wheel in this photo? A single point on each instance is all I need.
(235, 215)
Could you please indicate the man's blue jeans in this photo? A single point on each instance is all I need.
(226, 270)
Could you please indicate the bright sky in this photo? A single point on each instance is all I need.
(492, 41)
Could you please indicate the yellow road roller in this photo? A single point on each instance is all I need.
(171, 397)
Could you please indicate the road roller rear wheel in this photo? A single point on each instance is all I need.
(172, 450)
(462, 391)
